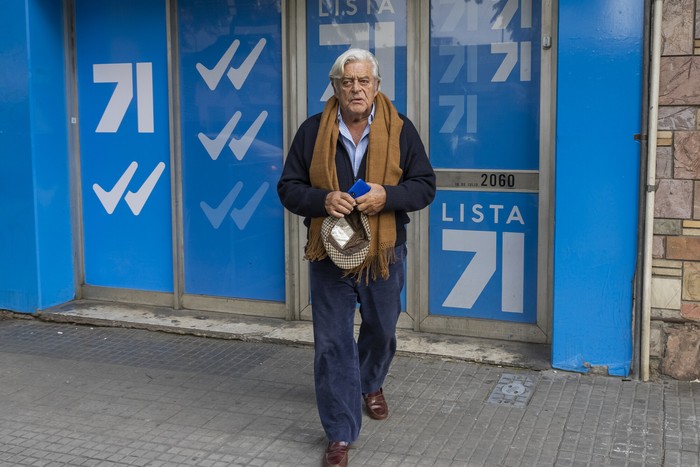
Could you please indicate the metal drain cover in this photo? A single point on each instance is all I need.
(513, 390)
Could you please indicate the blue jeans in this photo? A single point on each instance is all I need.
(345, 369)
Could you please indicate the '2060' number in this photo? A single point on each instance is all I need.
(498, 180)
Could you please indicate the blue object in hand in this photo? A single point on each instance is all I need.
(359, 188)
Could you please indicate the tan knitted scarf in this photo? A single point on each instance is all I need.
(383, 157)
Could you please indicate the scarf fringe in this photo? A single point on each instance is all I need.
(374, 266)
(315, 250)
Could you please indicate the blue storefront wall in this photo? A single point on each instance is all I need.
(597, 178)
(599, 92)
(36, 255)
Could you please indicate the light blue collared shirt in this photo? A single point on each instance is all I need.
(356, 153)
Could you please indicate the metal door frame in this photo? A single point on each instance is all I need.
(540, 332)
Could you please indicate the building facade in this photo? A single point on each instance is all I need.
(142, 142)
(675, 316)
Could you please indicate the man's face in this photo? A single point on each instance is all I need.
(356, 91)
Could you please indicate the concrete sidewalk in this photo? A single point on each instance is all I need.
(91, 395)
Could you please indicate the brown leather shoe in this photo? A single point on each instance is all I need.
(336, 454)
(376, 405)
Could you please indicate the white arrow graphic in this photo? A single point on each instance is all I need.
(214, 146)
(110, 199)
(240, 147)
(240, 74)
(137, 200)
(242, 216)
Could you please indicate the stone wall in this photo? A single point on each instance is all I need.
(675, 294)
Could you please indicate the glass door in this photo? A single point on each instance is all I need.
(485, 128)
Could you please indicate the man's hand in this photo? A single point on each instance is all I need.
(372, 202)
(339, 204)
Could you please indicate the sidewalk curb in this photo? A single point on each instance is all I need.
(295, 333)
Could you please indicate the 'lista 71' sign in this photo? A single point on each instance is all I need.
(483, 255)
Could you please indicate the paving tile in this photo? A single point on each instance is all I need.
(81, 395)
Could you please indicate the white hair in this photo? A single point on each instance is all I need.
(354, 55)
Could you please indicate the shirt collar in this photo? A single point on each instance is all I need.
(369, 120)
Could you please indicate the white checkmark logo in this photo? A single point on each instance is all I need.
(216, 215)
(237, 76)
(239, 147)
(213, 76)
(242, 216)
(137, 200)
(214, 146)
(110, 199)
(240, 74)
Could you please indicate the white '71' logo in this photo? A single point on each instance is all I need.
(482, 267)
(122, 74)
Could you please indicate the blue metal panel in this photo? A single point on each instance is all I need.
(18, 267)
(125, 143)
(231, 98)
(35, 238)
(597, 171)
(50, 153)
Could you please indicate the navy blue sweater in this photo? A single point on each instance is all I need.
(415, 190)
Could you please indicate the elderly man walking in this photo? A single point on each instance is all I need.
(359, 135)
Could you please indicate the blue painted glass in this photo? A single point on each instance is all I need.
(124, 143)
(333, 27)
(485, 84)
(232, 156)
(483, 255)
